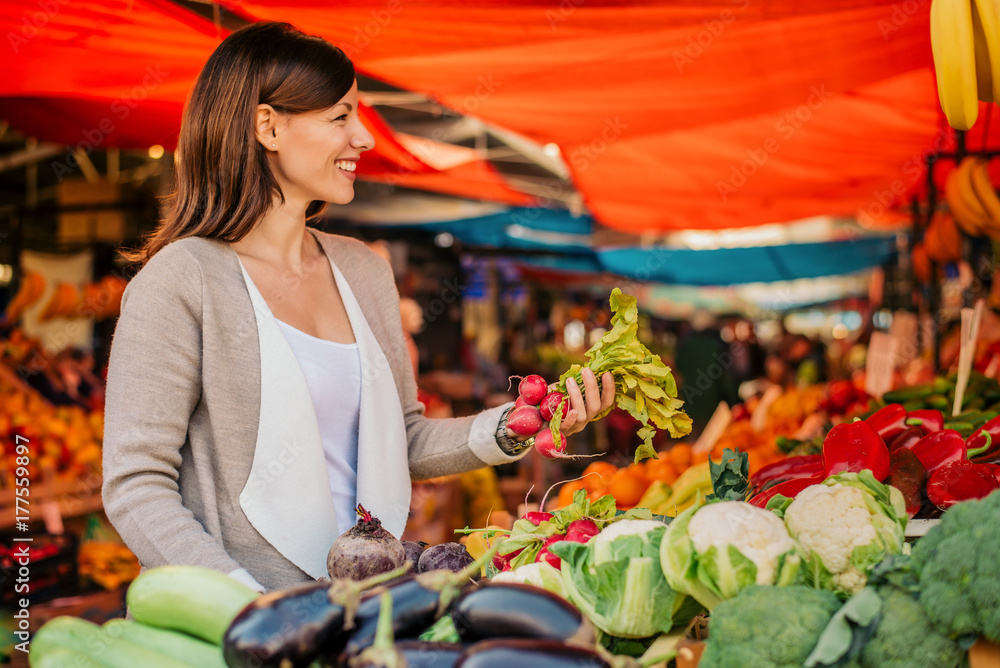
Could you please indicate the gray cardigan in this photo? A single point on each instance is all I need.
(184, 408)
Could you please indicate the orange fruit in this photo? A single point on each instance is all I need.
(598, 475)
(567, 491)
(680, 456)
(627, 487)
(661, 469)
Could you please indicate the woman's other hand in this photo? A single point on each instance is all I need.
(583, 407)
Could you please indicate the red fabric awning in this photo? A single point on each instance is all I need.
(654, 104)
(92, 74)
(657, 106)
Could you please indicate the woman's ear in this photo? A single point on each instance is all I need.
(266, 127)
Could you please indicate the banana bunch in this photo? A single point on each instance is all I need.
(965, 39)
(972, 199)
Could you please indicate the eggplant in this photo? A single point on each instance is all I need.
(417, 603)
(419, 654)
(528, 653)
(287, 628)
(415, 606)
(511, 610)
(292, 627)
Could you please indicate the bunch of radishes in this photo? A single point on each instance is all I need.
(534, 407)
(578, 531)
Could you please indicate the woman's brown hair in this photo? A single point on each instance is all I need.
(223, 184)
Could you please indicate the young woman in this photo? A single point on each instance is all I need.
(259, 384)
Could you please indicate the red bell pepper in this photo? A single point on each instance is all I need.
(987, 436)
(994, 469)
(789, 488)
(788, 468)
(959, 481)
(928, 420)
(888, 421)
(909, 476)
(855, 446)
(940, 448)
(906, 439)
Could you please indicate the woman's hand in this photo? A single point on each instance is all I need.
(583, 409)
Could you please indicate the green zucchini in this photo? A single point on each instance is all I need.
(60, 657)
(180, 646)
(104, 649)
(192, 599)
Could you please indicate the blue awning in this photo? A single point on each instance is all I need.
(757, 264)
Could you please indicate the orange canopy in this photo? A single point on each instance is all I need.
(93, 74)
(686, 114)
(673, 114)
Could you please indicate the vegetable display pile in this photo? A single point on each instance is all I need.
(935, 463)
(644, 386)
(819, 581)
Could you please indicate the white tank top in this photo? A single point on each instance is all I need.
(333, 373)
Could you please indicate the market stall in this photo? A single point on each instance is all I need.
(775, 227)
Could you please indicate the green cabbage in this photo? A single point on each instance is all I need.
(617, 582)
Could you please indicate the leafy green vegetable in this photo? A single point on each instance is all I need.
(730, 477)
(768, 627)
(957, 565)
(904, 637)
(617, 582)
(443, 630)
(529, 537)
(847, 632)
(644, 385)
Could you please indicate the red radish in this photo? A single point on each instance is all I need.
(537, 517)
(520, 402)
(547, 447)
(550, 404)
(533, 388)
(502, 561)
(525, 421)
(548, 557)
(582, 530)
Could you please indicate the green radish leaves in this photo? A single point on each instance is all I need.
(644, 385)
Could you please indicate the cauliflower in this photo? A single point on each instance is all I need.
(538, 574)
(845, 526)
(712, 551)
(759, 535)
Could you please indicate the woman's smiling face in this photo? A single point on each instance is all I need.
(315, 153)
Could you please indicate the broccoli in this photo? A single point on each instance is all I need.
(768, 627)
(956, 563)
(905, 639)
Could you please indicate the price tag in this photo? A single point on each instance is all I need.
(880, 366)
(52, 517)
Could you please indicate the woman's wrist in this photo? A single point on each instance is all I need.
(512, 444)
